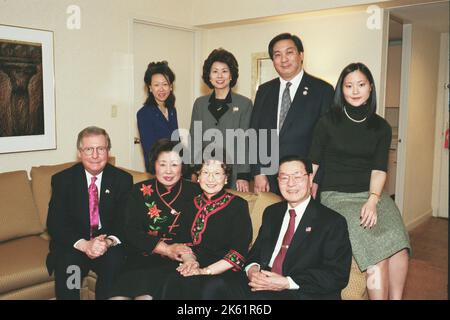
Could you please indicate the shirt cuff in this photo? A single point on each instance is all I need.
(76, 243)
(243, 176)
(292, 284)
(251, 265)
(115, 239)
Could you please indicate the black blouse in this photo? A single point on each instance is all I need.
(218, 107)
(220, 228)
(349, 151)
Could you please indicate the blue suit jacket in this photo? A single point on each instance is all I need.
(153, 126)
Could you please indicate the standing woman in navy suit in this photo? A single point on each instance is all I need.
(157, 119)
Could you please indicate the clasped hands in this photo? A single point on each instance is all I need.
(96, 247)
(262, 280)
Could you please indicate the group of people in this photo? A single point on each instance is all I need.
(176, 238)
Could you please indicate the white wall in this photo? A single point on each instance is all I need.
(219, 11)
(420, 125)
(330, 42)
(92, 68)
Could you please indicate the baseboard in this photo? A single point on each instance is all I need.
(420, 219)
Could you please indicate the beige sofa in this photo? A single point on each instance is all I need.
(24, 242)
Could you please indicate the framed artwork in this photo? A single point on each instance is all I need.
(27, 90)
(262, 70)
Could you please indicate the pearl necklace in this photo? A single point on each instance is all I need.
(357, 121)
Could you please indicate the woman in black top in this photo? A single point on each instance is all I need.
(152, 224)
(352, 142)
(220, 235)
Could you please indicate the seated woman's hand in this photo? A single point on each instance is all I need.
(176, 250)
(189, 268)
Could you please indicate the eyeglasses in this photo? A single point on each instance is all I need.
(284, 179)
(216, 175)
(89, 151)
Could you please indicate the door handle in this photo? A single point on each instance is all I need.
(137, 140)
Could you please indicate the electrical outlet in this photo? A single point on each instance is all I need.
(113, 111)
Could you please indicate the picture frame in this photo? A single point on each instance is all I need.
(262, 70)
(27, 90)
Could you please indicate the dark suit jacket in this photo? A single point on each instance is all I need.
(318, 260)
(68, 213)
(295, 136)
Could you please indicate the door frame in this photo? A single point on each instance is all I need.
(442, 103)
(403, 117)
(162, 23)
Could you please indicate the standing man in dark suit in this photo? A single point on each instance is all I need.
(85, 218)
(303, 249)
(290, 104)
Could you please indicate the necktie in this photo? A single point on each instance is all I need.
(277, 266)
(285, 105)
(93, 206)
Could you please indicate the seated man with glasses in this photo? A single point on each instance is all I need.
(303, 248)
(85, 218)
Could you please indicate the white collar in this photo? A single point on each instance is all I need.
(301, 207)
(295, 81)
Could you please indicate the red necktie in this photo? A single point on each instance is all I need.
(277, 266)
(93, 206)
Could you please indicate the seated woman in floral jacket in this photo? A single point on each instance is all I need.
(220, 235)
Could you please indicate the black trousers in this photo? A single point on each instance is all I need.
(73, 265)
(229, 286)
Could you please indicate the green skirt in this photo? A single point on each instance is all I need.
(370, 246)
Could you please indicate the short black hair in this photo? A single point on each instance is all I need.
(162, 145)
(224, 56)
(306, 162)
(161, 67)
(285, 36)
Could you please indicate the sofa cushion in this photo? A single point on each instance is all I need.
(356, 287)
(248, 196)
(257, 203)
(18, 215)
(41, 178)
(22, 263)
(137, 175)
(264, 200)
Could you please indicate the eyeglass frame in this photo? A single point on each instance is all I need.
(297, 178)
(208, 174)
(103, 148)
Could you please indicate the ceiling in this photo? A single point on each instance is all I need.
(434, 16)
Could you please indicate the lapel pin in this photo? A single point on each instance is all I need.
(235, 109)
(308, 229)
(107, 191)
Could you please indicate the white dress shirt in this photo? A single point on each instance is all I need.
(299, 211)
(98, 183)
(295, 82)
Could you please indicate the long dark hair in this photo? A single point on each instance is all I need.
(339, 100)
(161, 67)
